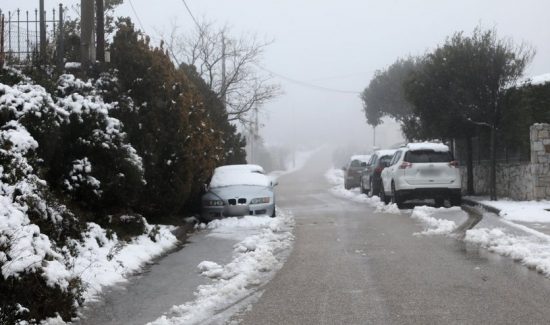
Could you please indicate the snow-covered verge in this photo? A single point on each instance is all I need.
(46, 249)
(530, 250)
(525, 211)
(336, 178)
(256, 259)
(523, 244)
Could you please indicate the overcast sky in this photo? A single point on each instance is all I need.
(338, 45)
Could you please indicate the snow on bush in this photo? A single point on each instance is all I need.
(44, 249)
(531, 251)
(255, 260)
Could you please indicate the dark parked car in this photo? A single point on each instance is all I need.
(352, 175)
(370, 177)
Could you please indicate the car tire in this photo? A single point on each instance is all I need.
(274, 214)
(456, 200)
(395, 197)
(361, 187)
(372, 190)
(346, 185)
(383, 196)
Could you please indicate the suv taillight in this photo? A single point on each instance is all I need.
(405, 165)
(454, 163)
(378, 170)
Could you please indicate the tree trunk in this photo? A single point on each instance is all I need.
(469, 166)
(493, 179)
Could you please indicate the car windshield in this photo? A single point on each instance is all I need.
(428, 156)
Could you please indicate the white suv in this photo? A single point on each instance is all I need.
(421, 171)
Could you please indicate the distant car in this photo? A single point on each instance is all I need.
(422, 171)
(370, 177)
(352, 172)
(238, 190)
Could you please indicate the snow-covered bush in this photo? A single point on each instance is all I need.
(31, 227)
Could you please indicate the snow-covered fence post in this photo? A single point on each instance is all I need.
(540, 160)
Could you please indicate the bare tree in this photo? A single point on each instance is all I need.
(230, 67)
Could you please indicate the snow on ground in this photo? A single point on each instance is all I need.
(433, 225)
(531, 251)
(336, 177)
(103, 262)
(525, 211)
(499, 235)
(256, 258)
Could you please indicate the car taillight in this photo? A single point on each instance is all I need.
(454, 163)
(378, 169)
(405, 165)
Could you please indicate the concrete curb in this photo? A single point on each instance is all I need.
(486, 207)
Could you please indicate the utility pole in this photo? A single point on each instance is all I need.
(373, 137)
(61, 45)
(224, 80)
(100, 25)
(87, 41)
(42, 31)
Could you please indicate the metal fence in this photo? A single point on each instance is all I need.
(20, 35)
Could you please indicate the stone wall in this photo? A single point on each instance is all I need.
(519, 181)
(514, 180)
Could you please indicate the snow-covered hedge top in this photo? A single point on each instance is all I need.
(427, 146)
(385, 152)
(245, 168)
(362, 158)
(237, 177)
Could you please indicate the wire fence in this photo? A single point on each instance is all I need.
(20, 42)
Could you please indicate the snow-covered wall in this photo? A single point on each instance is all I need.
(520, 181)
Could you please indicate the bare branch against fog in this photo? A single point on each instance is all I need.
(228, 65)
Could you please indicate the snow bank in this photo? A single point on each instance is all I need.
(336, 177)
(531, 251)
(255, 260)
(101, 261)
(525, 211)
(434, 226)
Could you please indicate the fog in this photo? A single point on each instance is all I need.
(338, 45)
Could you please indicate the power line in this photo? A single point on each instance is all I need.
(191, 14)
(137, 16)
(306, 84)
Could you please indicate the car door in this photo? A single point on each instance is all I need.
(387, 173)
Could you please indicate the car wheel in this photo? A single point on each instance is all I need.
(439, 202)
(456, 200)
(383, 196)
(274, 214)
(346, 185)
(362, 187)
(395, 197)
(371, 191)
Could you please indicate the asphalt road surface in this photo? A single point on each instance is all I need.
(351, 265)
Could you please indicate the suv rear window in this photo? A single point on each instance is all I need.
(428, 156)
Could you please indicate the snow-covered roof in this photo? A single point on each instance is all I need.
(385, 152)
(243, 168)
(427, 146)
(363, 158)
(239, 177)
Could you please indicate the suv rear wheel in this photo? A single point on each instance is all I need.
(371, 191)
(383, 196)
(395, 197)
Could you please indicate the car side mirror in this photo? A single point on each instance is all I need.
(274, 181)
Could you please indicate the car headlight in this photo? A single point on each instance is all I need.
(213, 203)
(260, 200)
